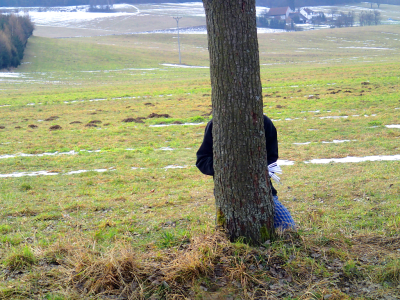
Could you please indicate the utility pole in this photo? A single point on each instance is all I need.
(179, 44)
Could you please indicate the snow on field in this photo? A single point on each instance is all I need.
(78, 16)
(192, 9)
(10, 75)
(69, 16)
(349, 159)
(352, 159)
(185, 66)
(367, 48)
(203, 30)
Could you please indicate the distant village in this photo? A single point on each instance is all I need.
(306, 18)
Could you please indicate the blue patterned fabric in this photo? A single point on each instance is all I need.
(282, 219)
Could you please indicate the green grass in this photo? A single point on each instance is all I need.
(71, 224)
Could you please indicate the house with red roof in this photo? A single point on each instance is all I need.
(279, 12)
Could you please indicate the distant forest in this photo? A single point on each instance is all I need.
(268, 3)
(14, 34)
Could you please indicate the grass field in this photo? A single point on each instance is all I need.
(120, 210)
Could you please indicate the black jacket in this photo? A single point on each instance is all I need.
(205, 153)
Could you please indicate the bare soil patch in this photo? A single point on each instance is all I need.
(55, 127)
(135, 120)
(52, 118)
(154, 115)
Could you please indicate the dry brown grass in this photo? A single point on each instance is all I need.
(209, 266)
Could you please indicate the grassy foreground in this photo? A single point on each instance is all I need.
(123, 213)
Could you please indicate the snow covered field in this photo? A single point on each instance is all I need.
(146, 18)
(125, 18)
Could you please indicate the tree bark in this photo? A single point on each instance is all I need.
(242, 190)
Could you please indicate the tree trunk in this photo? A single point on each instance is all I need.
(242, 189)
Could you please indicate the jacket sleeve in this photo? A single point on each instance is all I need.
(271, 138)
(204, 155)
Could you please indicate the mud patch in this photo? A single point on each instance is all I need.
(149, 104)
(135, 120)
(32, 126)
(55, 127)
(2, 127)
(52, 118)
(95, 122)
(90, 125)
(154, 115)
(76, 122)
(17, 127)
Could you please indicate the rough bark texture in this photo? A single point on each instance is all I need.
(242, 191)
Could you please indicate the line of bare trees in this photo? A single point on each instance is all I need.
(14, 33)
(268, 3)
(366, 18)
(101, 5)
(302, 3)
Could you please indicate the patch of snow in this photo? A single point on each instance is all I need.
(392, 126)
(185, 124)
(166, 149)
(69, 16)
(23, 174)
(187, 30)
(269, 30)
(283, 162)
(175, 167)
(72, 152)
(10, 75)
(185, 66)
(84, 171)
(336, 142)
(352, 159)
(334, 117)
(37, 155)
(367, 48)
(95, 100)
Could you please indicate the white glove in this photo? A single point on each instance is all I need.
(272, 169)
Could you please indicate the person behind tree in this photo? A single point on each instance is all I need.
(282, 218)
